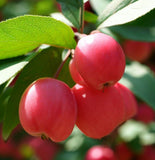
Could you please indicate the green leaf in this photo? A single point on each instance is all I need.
(99, 5)
(111, 10)
(110, 33)
(135, 32)
(141, 81)
(142, 29)
(2, 87)
(76, 155)
(152, 127)
(135, 145)
(44, 64)
(134, 1)
(10, 67)
(2, 2)
(23, 34)
(90, 17)
(65, 75)
(4, 97)
(73, 11)
(117, 13)
(146, 20)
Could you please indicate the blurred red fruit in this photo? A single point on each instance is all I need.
(123, 152)
(58, 7)
(100, 153)
(153, 45)
(44, 149)
(9, 149)
(147, 154)
(136, 50)
(145, 113)
(87, 6)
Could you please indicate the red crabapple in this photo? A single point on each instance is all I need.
(100, 153)
(136, 50)
(99, 112)
(48, 108)
(75, 74)
(44, 150)
(129, 101)
(145, 113)
(99, 60)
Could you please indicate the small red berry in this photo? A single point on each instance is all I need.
(48, 108)
(100, 60)
(99, 112)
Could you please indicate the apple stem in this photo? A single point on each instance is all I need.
(62, 64)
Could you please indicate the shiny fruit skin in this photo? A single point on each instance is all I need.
(75, 74)
(136, 50)
(99, 60)
(100, 153)
(130, 102)
(48, 108)
(99, 112)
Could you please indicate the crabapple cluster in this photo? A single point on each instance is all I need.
(97, 104)
(102, 103)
